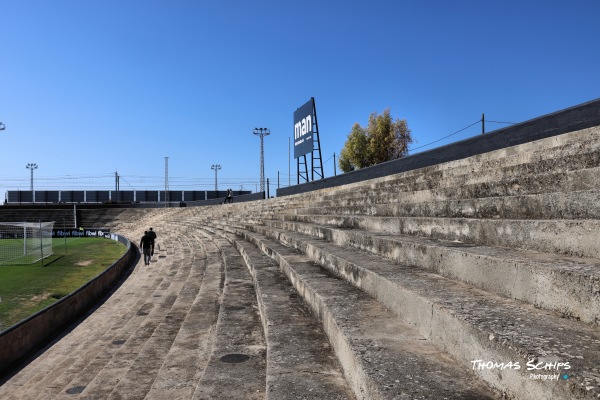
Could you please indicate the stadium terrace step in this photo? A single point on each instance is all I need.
(143, 328)
(60, 217)
(404, 193)
(237, 366)
(143, 342)
(382, 356)
(202, 291)
(570, 286)
(561, 182)
(525, 180)
(300, 361)
(68, 359)
(524, 161)
(577, 238)
(468, 323)
(565, 205)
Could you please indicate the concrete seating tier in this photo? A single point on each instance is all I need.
(102, 217)
(61, 217)
(527, 192)
(473, 279)
(458, 319)
(560, 154)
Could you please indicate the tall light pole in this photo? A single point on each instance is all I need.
(216, 167)
(32, 166)
(166, 181)
(2, 126)
(262, 132)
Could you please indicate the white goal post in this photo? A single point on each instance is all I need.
(25, 242)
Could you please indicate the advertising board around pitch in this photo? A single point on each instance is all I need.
(303, 129)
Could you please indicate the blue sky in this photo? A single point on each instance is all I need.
(88, 88)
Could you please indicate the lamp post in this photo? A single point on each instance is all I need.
(262, 132)
(32, 166)
(216, 168)
(166, 181)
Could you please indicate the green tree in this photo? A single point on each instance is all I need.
(354, 155)
(382, 140)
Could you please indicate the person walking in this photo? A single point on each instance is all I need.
(152, 234)
(229, 197)
(147, 246)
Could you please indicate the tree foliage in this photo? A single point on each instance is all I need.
(382, 140)
(355, 151)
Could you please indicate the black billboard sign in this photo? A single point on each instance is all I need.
(303, 129)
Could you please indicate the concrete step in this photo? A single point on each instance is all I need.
(488, 167)
(558, 205)
(575, 141)
(382, 357)
(69, 358)
(473, 326)
(148, 346)
(143, 342)
(201, 291)
(522, 184)
(577, 238)
(470, 174)
(300, 361)
(237, 366)
(567, 171)
(567, 285)
(137, 343)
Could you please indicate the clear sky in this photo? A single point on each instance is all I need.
(91, 87)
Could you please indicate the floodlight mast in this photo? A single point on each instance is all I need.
(167, 182)
(32, 166)
(262, 132)
(216, 168)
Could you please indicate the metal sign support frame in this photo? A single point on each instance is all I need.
(316, 158)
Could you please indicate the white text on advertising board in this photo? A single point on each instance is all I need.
(302, 127)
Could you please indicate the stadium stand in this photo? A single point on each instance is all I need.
(468, 279)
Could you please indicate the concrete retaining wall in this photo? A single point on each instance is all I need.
(27, 336)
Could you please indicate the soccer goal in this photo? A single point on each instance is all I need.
(25, 242)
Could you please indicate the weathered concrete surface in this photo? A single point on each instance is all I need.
(158, 336)
(382, 357)
(568, 285)
(300, 361)
(447, 313)
(237, 367)
(562, 237)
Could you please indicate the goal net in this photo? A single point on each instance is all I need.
(25, 242)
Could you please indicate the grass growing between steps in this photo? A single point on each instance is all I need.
(27, 289)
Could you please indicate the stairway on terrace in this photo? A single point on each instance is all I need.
(472, 279)
(491, 258)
